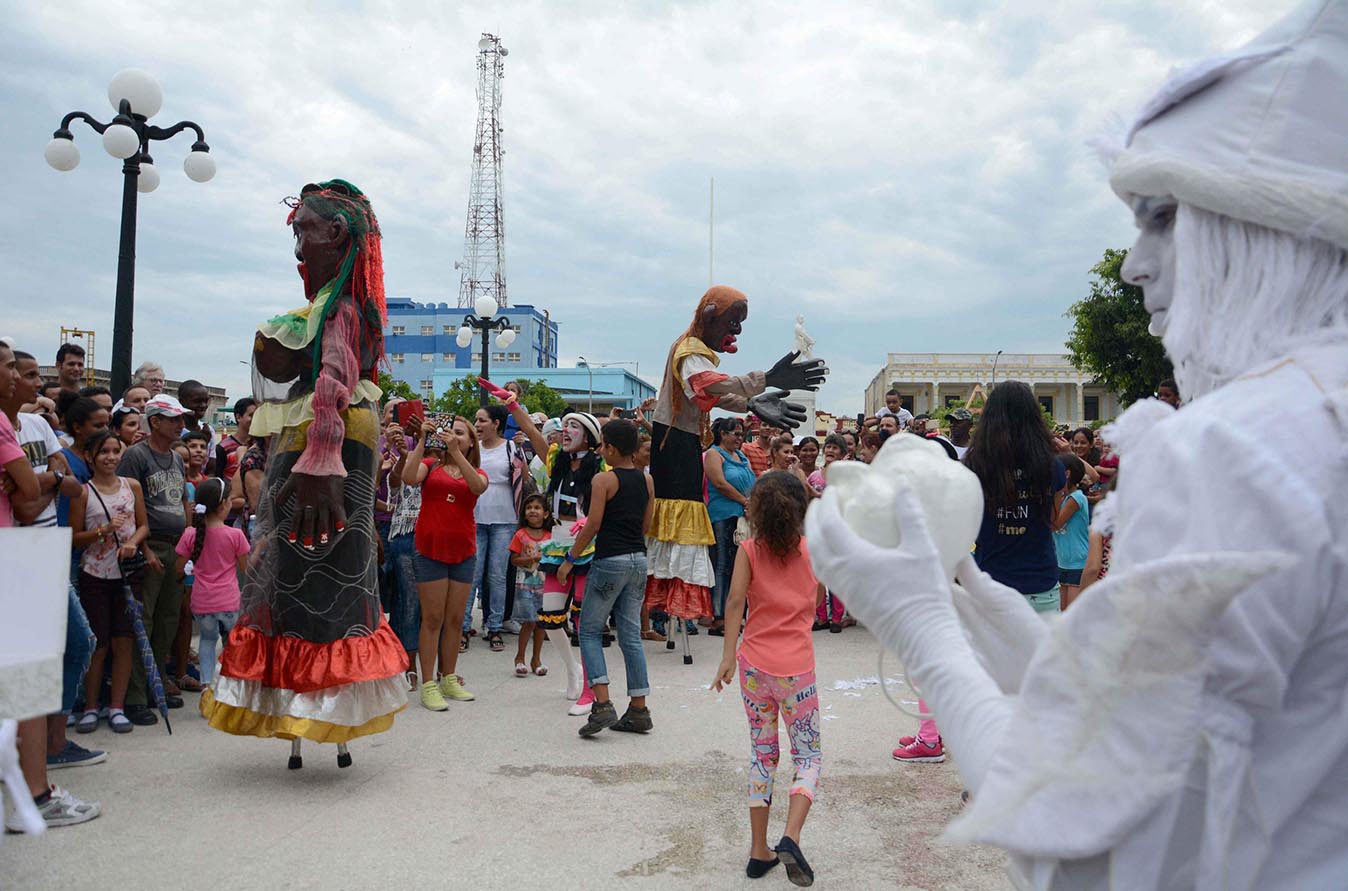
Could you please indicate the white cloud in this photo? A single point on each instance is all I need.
(910, 177)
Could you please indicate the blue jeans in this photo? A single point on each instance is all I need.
(404, 614)
(79, 647)
(723, 555)
(214, 626)
(615, 585)
(489, 577)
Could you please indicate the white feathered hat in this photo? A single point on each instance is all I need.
(1259, 134)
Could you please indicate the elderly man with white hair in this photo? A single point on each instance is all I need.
(1185, 724)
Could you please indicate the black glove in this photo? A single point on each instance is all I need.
(788, 374)
(773, 411)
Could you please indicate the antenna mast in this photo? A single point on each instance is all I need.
(482, 272)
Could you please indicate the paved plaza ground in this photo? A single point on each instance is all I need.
(501, 793)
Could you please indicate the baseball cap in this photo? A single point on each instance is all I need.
(165, 405)
(961, 414)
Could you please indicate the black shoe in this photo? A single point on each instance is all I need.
(173, 701)
(835, 627)
(634, 720)
(759, 868)
(797, 869)
(819, 626)
(606, 640)
(602, 714)
(141, 715)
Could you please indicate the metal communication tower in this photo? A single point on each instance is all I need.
(482, 271)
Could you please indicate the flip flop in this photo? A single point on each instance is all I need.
(541, 670)
(521, 670)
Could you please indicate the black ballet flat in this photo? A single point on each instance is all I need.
(797, 868)
(759, 868)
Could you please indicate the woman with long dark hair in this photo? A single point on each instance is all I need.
(729, 478)
(1012, 454)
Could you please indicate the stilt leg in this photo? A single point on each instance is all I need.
(343, 756)
(296, 762)
(687, 651)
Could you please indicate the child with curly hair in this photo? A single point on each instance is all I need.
(775, 663)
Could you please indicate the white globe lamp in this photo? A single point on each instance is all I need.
(464, 337)
(137, 87)
(148, 180)
(62, 153)
(484, 306)
(199, 166)
(121, 141)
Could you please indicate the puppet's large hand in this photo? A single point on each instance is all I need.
(789, 374)
(319, 508)
(772, 410)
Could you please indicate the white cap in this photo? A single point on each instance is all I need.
(1259, 134)
(165, 405)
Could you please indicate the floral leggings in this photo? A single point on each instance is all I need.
(798, 701)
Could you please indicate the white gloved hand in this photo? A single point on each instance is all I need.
(904, 598)
(1004, 629)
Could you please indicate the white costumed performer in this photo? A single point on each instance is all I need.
(1185, 723)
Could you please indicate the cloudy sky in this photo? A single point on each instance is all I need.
(909, 175)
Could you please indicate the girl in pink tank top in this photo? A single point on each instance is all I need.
(775, 663)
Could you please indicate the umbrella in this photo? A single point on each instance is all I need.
(155, 683)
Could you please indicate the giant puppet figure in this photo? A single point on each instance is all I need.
(311, 656)
(679, 565)
(1184, 724)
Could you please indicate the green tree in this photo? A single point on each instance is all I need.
(401, 389)
(1109, 338)
(462, 398)
(538, 396)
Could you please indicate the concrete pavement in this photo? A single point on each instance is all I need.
(501, 792)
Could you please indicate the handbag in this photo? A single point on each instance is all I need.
(130, 565)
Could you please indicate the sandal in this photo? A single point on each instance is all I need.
(88, 722)
(463, 644)
(495, 642)
(521, 670)
(541, 670)
(411, 677)
(119, 722)
(189, 683)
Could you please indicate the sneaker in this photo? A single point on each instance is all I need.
(75, 756)
(431, 697)
(602, 715)
(452, 688)
(510, 626)
(634, 720)
(583, 704)
(920, 752)
(62, 809)
(88, 722)
(906, 741)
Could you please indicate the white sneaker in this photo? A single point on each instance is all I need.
(510, 626)
(577, 710)
(62, 809)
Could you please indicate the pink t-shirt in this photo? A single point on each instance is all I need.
(777, 634)
(9, 450)
(216, 586)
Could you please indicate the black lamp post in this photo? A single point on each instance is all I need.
(486, 308)
(137, 97)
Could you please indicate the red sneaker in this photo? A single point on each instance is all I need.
(920, 752)
(906, 741)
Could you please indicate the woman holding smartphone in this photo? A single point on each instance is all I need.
(446, 544)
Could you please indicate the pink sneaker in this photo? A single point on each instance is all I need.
(906, 741)
(583, 704)
(918, 751)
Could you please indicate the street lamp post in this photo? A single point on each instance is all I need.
(137, 97)
(486, 308)
(994, 370)
(589, 373)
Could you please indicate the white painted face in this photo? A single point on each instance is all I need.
(1151, 262)
(573, 437)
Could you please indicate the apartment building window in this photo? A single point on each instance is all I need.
(396, 358)
(477, 357)
(512, 357)
(428, 357)
(451, 329)
(427, 383)
(1047, 403)
(498, 357)
(447, 357)
(1090, 406)
(399, 329)
(427, 329)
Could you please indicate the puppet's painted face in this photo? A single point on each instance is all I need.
(1151, 261)
(721, 330)
(573, 437)
(319, 246)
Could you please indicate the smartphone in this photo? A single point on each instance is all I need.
(403, 412)
(629, 414)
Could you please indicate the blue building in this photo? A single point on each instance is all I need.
(585, 388)
(419, 340)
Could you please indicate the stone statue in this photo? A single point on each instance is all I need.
(804, 342)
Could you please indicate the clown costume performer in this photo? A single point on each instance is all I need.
(1185, 724)
(311, 656)
(677, 547)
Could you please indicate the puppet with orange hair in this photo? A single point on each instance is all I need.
(311, 656)
(676, 550)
